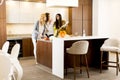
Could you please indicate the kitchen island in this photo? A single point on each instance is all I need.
(59, 45)
(44, 53)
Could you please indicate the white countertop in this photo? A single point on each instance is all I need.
(44, 40)
(81, 37)
(69, 38)
(18, 36)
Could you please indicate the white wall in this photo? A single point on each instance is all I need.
(115, 18)
(106, 18)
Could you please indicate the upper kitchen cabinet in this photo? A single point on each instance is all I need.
(26, 12)
(29, 12)
(13, 11)
(20, 12)
(81, 18)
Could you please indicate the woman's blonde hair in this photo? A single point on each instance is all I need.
(42, 19)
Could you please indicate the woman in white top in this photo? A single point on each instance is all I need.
(48, 26)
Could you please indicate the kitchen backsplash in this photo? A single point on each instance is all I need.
(19, 29)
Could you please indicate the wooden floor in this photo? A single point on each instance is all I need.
(34, 71)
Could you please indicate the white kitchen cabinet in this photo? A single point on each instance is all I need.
(12, 11)
(19, 12)
(29, 12)
(26, 12)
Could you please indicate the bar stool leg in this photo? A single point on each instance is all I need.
(86, 65)
(66, 71)
(101, 61)
(80, 64)
(66, 66)
(74, 61)
(119, 67)
(117, 63)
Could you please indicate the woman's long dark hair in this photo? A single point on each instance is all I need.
(58, 23)
(47, 17)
